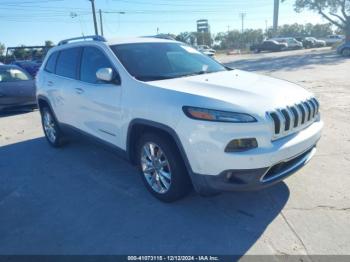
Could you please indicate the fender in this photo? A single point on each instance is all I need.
(198, 182)
(41, 97)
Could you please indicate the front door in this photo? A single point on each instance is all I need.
(98, 102)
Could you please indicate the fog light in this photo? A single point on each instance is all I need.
(240, 145)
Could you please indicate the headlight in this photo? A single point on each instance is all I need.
(217, 115)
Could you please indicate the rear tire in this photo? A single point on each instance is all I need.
(162, 168)
(51, 128)
(346, 52)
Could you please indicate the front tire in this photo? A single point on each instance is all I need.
(51, 128)
(162, 169)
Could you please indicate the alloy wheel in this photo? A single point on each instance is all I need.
(49, 126)
(155, 167)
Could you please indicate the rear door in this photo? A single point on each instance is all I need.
(267, 45)
(64, 84)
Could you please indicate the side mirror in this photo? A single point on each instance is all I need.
(105, 74)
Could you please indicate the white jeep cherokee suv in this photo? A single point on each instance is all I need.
(183, 118)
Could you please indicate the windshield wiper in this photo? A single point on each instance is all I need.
(153, 78)
(195, 73)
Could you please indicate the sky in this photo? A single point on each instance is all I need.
(31, 22)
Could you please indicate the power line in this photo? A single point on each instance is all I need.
(31, 2)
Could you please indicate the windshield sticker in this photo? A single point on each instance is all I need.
(205, 68)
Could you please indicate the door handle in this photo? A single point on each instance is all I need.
(79, 91)
(50, 83)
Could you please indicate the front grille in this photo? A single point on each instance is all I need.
(287, 120)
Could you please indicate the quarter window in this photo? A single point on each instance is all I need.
(67, 63)
(92, 60)
(51, 63)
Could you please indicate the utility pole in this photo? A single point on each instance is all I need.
(242, 15)
(275, 15)
(94, 15)
(101, 22)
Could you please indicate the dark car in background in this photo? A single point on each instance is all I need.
(311, 42)
(17, 88)
(344, 49)
(307, 43)
(316, 42)
(269, 45)
(31, 67)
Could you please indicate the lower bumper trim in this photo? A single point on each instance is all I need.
(288, 166)
(254, 179)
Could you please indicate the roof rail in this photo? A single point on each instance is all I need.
(89, 37)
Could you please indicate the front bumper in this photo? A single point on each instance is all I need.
(270, 163)
(254, 179)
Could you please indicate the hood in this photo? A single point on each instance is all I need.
(240, 89)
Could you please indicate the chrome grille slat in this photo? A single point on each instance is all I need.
(286, 116)
(277, 122)
(292, 118)
(282, 119)
(303, 113)
(307, 112)
(296, 116)
(311, 110)
(314, 107)
(299, 114)
(291, 115)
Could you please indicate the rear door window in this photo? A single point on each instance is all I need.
(67, 63)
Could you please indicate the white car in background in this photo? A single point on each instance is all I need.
(333, 39)
(290, 41)
(183, 118)
(206, 50)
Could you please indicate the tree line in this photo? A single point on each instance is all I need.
(24, 53)
(235, 39)
(336, 12)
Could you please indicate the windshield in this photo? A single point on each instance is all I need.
(157, 61)
(9, 74)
